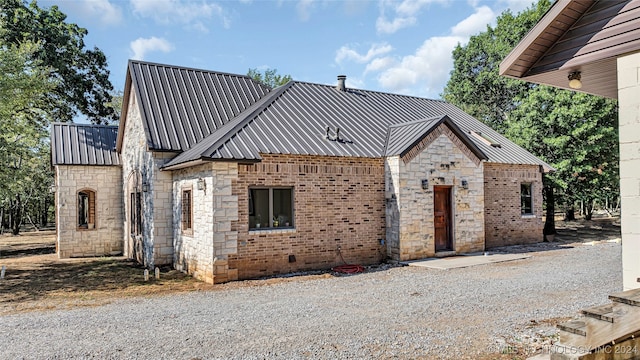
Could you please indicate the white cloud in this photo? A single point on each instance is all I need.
(405, 14)
(347, 53)
(428, 69)
(180, 11)
(475, 23)
(105, 11)
(379, 64)
(304, 7)
(425, 72)
(141, 46)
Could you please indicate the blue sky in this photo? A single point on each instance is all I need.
(392, 46)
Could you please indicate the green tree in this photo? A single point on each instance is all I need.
(269, 77)
(577, 134)
(82, 78)
(573, 132)
(25, 110)
(475, 84)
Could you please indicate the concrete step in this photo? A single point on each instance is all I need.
(604, 312)
(629, 297)
(577, 327)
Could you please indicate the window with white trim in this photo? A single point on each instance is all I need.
(270, 207)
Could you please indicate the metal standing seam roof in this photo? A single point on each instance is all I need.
(401, 138)
(181, 106)
(83, 144)
(293, 120)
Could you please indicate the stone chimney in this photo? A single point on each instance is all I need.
(341, 80)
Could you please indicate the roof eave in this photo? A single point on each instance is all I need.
(125, 109)
(546, 22)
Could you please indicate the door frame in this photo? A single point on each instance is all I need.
(451, 216)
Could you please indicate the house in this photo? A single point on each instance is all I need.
(593, 47)
(225, 178)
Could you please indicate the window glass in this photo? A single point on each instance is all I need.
(86, 209)
(270, 208)
(186, 210)
(526, 199)
(259, 208)
(282, 210)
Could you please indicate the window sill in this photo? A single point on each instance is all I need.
(286, 230)
(85, 229)
(187, 233)
(528, 216)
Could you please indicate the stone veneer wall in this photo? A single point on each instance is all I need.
(629, 133)
(106, 238)
(442, 159)
(156, 238)
(504, 222)
(338, 202)
(203, 251)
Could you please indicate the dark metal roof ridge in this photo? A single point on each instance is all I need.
(131, 61)
(220, 136)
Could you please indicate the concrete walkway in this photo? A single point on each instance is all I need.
(460, 261)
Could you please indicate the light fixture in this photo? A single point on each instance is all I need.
(574, 80)
(145, 186)
(465, 184)
(425, 184)
(201, 184)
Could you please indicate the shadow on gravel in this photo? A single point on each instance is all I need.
(569, 233)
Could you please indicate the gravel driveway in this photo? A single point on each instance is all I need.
(401, 312)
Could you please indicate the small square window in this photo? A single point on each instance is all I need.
(270, 208)
(526, 199)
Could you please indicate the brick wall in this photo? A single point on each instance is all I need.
(106, 237)
(504, 222)
(338, 202)
(441, 159)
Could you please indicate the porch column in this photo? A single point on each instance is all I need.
(629, 126)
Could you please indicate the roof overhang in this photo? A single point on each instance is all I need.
(598, 68)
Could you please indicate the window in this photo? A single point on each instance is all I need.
(270, 208)
(187, 213)
(86, 209)
(135, 212)
(485, 139)
(526, 200)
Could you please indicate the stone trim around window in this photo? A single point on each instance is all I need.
(186, 211)
(86, 214)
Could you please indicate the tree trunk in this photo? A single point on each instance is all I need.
(570, 214)
(550, 221)
(588, 209)
(17, 216)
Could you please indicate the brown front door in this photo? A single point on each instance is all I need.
(442, 218)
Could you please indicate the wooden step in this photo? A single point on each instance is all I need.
(578, 327)
(602, 312)
(629, 297)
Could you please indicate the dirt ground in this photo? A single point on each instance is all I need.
(36, 279)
